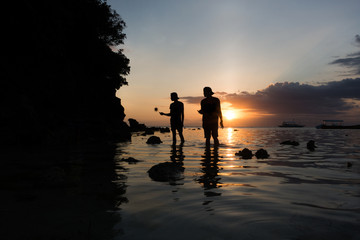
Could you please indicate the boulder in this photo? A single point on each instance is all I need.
(154, 140)
(262, 153)
(311, 145)
(245, 153)
(167, 171)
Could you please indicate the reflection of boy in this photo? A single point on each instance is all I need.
(176, 117)
(211, 111)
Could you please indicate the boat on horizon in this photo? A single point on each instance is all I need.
(290, 124)
(336, 124)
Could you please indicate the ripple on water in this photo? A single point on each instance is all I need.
(224, 197)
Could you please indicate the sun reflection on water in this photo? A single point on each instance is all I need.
(230, 134)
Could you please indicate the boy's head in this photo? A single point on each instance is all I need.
(174, 96)
(208, 92)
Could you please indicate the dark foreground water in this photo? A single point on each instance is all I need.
(92, 193)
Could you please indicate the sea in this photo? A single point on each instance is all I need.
(296, 193)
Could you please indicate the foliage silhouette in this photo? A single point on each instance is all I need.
(62, 72)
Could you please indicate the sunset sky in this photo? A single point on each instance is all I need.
(267, 61)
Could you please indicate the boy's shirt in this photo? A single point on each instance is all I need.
(176, 109)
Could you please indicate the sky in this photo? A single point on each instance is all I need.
(267, 61)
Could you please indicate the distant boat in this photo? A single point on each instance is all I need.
(290, 124)
(336, 124)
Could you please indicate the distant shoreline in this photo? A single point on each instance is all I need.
(280, 128)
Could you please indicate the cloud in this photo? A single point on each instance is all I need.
(332, 98)
(352, 60)
(357, 40)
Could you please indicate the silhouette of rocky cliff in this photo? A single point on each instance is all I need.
(61, 74)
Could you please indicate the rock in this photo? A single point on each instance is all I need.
(135, 126)
(311, 145)
(149, 131)
(167, 171)
(262, 153)
(154, 140)
(293, 143)
(245, 153)
(164, 130)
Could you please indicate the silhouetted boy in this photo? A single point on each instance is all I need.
(211, 111)
(176, 117)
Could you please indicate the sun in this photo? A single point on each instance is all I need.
(229, 114)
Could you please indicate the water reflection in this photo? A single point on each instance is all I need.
(177, 154)
(229, 135)
(68, 193)
(172, 171)
(210, 180)
(293, 190)
(177, 157)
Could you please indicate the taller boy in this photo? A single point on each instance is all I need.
(211, 111)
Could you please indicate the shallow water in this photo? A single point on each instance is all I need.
(294, 194)
(89, 192)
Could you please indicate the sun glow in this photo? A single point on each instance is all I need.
(229, 114)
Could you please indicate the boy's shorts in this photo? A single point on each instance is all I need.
(211, 131)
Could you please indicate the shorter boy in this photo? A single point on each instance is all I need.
(176, 117)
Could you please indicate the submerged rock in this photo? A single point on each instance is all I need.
(130, 160)
(154, 140)
(245, 153)
(262, 153)
(211, 194)
(167, 171)
(293, 143)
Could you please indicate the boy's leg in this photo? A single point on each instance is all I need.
(173, 131)
(180, 130)
(214, 134)
(216, 141)
(207, 135)
(207, 142)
